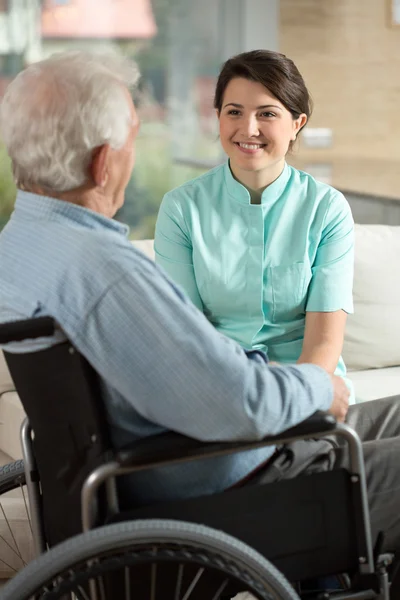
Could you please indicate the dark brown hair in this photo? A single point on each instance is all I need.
(274, 71)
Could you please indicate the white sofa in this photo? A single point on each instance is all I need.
(372, 341)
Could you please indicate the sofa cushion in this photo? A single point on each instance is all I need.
(373, 331)
(375, 383)
(145, 246)
(11, 416)
(6, 383)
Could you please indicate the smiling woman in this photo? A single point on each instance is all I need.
(256, 131)
(265, 250)
(262, 104)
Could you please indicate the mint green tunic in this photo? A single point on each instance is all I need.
(256, 269)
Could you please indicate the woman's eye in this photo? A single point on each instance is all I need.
(268, 114)
(233, 113)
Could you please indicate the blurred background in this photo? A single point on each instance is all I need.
(347, 50)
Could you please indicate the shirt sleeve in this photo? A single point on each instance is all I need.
(173, 248)
(331, 286)
(149, 342)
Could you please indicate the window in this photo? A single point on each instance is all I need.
(179, 46)
(11, 64)
(178, 57)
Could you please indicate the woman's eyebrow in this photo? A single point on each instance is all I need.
(257, 108)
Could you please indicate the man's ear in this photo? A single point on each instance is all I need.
(98, 168)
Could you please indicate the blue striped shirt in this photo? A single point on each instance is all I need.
(163, 366)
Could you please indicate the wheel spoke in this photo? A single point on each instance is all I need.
(82, 594)
(16, 549)
(7, 565)
(102, 589)
(179, 582)
(13, 544)
(220, 589)
(26, 508)
(127, 584)
(13, 550)
(193, 584)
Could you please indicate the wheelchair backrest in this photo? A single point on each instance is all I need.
(61, 395)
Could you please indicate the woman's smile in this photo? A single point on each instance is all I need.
(250, 148)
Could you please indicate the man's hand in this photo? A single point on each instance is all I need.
(340, 403)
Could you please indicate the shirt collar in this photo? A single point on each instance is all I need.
(36, 207)
(242, 195)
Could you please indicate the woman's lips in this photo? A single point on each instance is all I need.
(249, 148)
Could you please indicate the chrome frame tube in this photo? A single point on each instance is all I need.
(384, 593)
(90, 488)
(113, 469)
(364, 595)
(358, 470)
(33, 489)
(112, 495)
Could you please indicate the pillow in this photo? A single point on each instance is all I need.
(372, 338)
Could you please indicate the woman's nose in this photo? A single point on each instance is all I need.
(250, 127)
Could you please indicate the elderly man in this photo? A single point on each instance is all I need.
(69, 125)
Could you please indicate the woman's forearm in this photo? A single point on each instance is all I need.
(323, 339)
(322, 355)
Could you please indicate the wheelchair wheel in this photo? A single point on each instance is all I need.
(150, 560)
(12, 476)
(16, 542)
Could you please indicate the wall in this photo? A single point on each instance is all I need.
(350, 59)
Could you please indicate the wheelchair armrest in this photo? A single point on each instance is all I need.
(17, 331)
(173, 447)
(319, 422)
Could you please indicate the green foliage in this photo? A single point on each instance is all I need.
(7, 187)
(155, 174)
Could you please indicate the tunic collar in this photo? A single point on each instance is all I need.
(242, 195)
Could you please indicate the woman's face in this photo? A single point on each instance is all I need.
(255, 128)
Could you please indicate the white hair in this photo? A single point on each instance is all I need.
(57, 111)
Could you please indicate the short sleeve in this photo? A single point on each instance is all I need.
(173, 248)
(331, 286)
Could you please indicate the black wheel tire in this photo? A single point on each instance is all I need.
(237, 557)
(12, 476)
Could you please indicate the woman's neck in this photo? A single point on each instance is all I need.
(257, 181)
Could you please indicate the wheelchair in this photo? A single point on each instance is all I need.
(272, 542)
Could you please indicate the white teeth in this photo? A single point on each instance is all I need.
(251, 146)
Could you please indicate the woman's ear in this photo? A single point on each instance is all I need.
(298, 124)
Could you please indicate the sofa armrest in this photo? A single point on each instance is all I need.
(173, 447)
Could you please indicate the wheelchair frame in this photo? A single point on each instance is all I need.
(172, 448)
